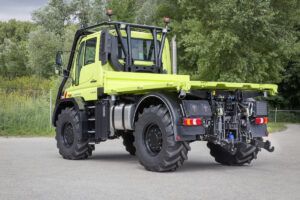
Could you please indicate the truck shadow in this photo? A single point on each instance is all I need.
(199, 165)
(113, 157)
(126, 158)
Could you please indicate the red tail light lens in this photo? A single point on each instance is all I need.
(192, 121)
(261, 120)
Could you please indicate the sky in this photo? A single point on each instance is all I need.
(19, 9)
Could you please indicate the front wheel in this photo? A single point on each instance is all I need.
(155, 145)
(71, 141)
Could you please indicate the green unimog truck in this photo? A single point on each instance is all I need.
(122, 85)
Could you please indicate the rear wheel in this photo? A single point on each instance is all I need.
(128, 140)
(71, 142)
(155, 145)
(245, 154)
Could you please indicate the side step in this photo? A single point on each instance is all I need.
(90, 110)
(102, 125)
(98, 121)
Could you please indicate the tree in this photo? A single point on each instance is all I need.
(13, 49)
(54, 17)
(13, 59)
(231, 40)
(124, 10)
(81, 10)
(288, 14)
(97, 12)
(146, 11)
(14, 30)
(42, 46)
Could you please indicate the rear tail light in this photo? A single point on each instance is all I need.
(261, 120)
(192, 121)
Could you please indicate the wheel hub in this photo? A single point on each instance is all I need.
(153, 139)
(68, 135)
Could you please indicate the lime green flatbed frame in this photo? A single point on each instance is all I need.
(132, 83)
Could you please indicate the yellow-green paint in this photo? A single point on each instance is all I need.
(95, 75)
(127, 82)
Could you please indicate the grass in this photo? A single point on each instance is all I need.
(276, 127)
(24, 107)
(24, 115)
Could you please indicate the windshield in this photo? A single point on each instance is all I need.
(141, 49)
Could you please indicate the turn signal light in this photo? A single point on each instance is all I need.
(192, 121)
(261, 120)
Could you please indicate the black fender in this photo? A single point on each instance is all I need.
(172, 103)
(61, 104)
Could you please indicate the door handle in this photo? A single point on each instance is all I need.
(93, 81)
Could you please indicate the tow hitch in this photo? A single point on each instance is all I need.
(265, 145)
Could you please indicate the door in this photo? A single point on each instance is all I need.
(86, 69)
(85, 66)
(79, 62)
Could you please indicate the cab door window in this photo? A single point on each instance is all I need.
(79, 63)
(90, 51)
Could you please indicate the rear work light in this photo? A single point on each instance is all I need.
(192, 121)
(261, 120)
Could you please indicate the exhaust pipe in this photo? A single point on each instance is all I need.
(174, 55)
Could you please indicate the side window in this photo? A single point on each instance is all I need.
(90, 51)
(79, 63)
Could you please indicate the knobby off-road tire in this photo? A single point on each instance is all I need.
(245, 154)
(128, 140)
(155, 145)
(71, 142)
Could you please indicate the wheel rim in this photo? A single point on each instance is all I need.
(153, 139)
(68, 134)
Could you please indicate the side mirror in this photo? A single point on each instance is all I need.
(57, 70)
(65, 73)
(58, 58)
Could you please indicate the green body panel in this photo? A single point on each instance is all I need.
(95, 75)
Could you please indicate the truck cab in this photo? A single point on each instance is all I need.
(101, 52)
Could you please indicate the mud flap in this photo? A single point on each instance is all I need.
(258, 130)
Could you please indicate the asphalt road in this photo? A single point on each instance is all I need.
(30, 168)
